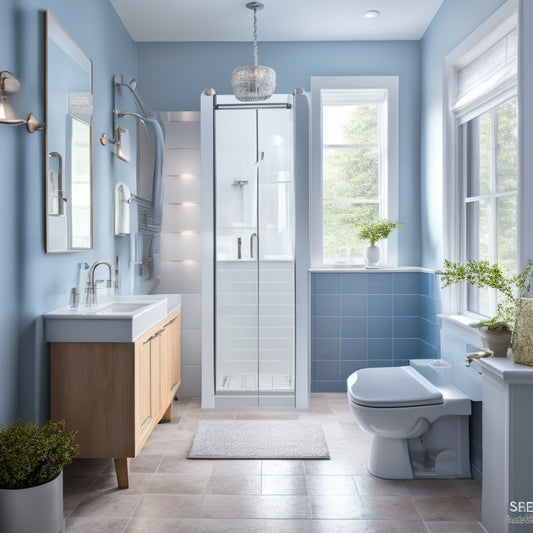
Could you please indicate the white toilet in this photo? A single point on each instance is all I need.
(419, 430)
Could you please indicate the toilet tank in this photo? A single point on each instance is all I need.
(441, 372)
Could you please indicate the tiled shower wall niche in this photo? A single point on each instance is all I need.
(370, 319)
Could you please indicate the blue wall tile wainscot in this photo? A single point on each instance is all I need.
(363, 319)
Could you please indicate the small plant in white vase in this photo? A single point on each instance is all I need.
(375, 232)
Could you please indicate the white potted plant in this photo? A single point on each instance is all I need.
(495, 332)
(31, 475)
(375, 232)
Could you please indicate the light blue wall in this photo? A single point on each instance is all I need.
(454, 21)
(174, 75)
(31, 281)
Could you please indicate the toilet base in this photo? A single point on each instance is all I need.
(442, 452)
(389, 458)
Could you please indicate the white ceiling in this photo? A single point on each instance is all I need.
(280, 20)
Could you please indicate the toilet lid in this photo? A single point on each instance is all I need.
(399, 386)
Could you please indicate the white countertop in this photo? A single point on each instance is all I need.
(504, 369)
(102, 323)
(173, 301)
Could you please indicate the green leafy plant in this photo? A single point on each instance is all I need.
(31, 455)
(377, 231)
(483, 274)
(494, 324)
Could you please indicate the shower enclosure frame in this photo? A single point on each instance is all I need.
(300, 398)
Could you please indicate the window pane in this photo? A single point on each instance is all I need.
(350, 173)
(507, 177)
(350, 124)
(481, 301)
(478, 216)
(478, 219)
(507, 235)
(350, 177)
(491, 222)
(341, 241)
(485, 152)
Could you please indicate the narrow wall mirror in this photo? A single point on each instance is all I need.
(69, 148)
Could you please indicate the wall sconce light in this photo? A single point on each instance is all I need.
(9, 85)
(121, 142)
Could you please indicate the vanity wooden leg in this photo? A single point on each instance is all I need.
(121, 469)
(167, 417)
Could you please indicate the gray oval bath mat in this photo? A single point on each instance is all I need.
(259, 439)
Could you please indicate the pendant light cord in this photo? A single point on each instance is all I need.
(255, 36)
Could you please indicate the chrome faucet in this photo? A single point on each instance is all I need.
(90, 294)
(477, 355)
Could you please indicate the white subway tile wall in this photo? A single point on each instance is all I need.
(179, 161)
(187, 186)
(241, 312)
(180, 238)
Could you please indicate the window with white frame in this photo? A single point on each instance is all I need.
(484, 116)
(354, 165)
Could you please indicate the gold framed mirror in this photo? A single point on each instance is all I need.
(69, 142)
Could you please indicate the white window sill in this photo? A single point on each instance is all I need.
(459, 326)
(362, 270)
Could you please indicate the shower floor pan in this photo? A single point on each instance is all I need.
(248, 382)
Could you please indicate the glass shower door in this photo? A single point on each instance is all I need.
(236, 279)
(276, 313)
(254, 243)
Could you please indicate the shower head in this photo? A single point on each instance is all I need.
(130, 83)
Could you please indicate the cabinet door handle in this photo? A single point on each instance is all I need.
(146, 422)
(156, 334)
(162, 330)
(171, 322)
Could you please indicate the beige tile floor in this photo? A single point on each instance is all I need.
(170, 493)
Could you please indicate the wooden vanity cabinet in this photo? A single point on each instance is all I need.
(113, 394)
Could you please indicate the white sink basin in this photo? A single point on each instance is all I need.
(121, 319)
(121, 307)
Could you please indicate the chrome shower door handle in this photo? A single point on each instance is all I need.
(252, 244)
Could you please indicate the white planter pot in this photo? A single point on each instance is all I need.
(372, 254)
(34, 509)
(497, 342)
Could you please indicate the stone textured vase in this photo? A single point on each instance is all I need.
(522, 344)
(372, 256)
(36, 509)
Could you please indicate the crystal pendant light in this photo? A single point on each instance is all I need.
(253, 83)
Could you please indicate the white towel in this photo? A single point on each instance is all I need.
(122, 209)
